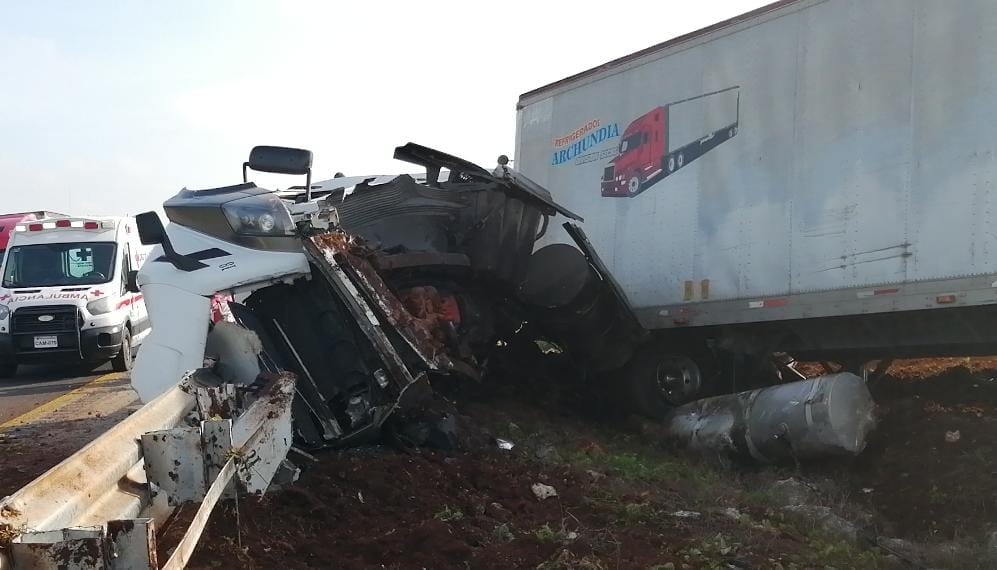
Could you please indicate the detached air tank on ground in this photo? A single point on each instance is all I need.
(827, 416)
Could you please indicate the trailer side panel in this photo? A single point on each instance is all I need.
(864, 160)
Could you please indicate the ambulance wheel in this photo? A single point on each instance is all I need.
(123, 361)
(8, 369)
(633, 185)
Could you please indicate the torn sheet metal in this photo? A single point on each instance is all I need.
(826, 416)
(334, 248)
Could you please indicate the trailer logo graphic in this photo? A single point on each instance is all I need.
(666, 138)
(579, 145)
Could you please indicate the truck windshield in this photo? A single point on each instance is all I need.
(631, 142)
(59, 264)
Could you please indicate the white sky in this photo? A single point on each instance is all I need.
(112, 107)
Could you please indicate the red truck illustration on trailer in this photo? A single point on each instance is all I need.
(667, 138)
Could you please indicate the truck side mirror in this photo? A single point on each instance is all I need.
(150, 228)
(131, 282)
(281, 160)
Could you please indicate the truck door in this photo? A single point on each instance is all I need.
(125, 296)
(138, 312)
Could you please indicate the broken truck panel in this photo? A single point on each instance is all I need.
(576, 301)
(825, 416)
(464, 171)
(416, 334)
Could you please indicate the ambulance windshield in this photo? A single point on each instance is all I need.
(59, 264)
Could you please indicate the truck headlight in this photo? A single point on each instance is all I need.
(4, 312)
(100, 306)
(263, 215)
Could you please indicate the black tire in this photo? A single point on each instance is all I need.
(123, 361)
(8, 369)
(661, 377)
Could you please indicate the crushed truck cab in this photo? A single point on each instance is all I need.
(366, 288)
(64, 295)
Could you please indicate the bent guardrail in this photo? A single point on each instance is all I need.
(100, 507)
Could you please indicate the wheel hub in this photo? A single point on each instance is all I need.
(678, 379)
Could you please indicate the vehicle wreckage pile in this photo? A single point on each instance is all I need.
(390, 286)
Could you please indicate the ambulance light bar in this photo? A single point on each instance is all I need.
(65, 223)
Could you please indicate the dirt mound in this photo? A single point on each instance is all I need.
(931, 465)
(437, 511)
(624, 502)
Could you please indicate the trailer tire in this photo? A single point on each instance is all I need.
(671, 164)
(8, 369)
(123, 361)
(633, 184)
(660, 378)
(680, 162)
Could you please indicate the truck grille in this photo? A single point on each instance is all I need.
(65, 319)
(609, 173)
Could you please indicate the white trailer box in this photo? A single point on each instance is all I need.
(858, 178)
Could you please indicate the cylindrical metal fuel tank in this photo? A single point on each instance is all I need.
(825, 416)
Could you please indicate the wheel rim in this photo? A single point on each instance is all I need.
(678, 379)
(634, 185)
(671, 164)
(126, 349)
(681, 160)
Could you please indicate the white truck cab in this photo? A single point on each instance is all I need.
(64, 295)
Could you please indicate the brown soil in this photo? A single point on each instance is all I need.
(931, 465)
(432, 510)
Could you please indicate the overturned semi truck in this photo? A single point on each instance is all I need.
(368, 287)
(348, 298)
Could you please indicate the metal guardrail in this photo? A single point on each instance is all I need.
(99, 508)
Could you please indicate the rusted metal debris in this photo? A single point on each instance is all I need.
(421, 333)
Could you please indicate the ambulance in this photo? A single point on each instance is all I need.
(64, 294)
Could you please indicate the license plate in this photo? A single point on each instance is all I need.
(46, 342)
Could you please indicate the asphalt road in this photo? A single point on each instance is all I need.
(36, 385)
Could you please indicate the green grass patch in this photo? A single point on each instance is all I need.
(449, 514)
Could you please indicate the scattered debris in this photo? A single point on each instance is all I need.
(686, 514)
(792, 491)
(542, 491)
(548, 454)
(953, 436)
(825, 520)
(595, 476)
(734, 514)
(504, 444)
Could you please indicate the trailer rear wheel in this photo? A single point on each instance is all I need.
(671, 164)
(681, 160)
(660, 378)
